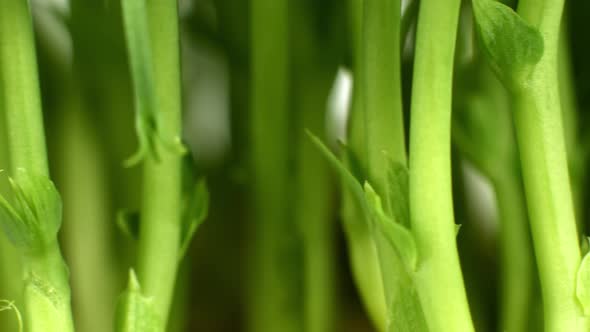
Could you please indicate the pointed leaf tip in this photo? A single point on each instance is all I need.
(135, 311)
(196, 209)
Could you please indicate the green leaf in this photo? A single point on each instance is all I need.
(129, 223)
(349, 179)
(399, 237)
(583, 285)
(405, 309)
(34, 218)
(511, 45)
(148, 120)
(196, 208)
(397, 191)
(136, 312)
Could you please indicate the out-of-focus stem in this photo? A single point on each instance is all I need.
(361, 247)
(516, 256)
(275, 275)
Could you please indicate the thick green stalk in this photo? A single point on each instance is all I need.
(44, 270)
(159, 238)
(276, 275)
(439, 279)
(539, 129)
(515, 254)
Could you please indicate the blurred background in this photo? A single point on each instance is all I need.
(89, 116)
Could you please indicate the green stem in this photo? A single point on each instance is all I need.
(314, 210)
(385, 136)
(515, 254)
(87, 230)
(22, 99)
(439, 279)
(159, 239)
(538, 121)
(10, 263)
(362, 252)
(47, 292)
(549, 201)
(381, 87)
(276, 275)
(569, 107)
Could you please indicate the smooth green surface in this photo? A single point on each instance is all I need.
(381, 87)
(515, 254)
(275, 293)
(439, 279)
(314, 212)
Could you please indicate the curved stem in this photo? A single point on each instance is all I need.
(439, 279)
(549, 201)
(540, 135)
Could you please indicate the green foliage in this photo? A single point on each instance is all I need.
(129, 222)
(399, 237)
(196, 208)
(399, 258)
(32, 221)
(136, 312)
(511, 45)
(397, 192)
